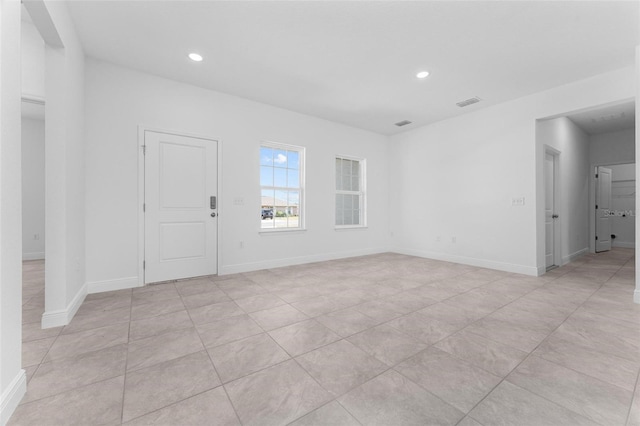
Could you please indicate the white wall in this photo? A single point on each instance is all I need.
(573, 163)
(32, 59)
(457, 178)
(33, 189)
(65, 286)
(118, 100)
(12, 377)
(613, 148)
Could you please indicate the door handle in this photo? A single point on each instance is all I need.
(213, 214)
(555, 216)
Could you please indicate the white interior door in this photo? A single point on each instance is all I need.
(180, 214)
(603, 208)
(549, 210)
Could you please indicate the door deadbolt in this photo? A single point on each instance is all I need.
(213, 214)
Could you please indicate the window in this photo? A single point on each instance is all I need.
(350, 193)
(282, 186)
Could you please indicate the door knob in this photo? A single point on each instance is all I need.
(213, 214)
(555, 216)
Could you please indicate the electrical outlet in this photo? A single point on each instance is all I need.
(453, 240)
(241, 244)
(36, 236)
(438, 239)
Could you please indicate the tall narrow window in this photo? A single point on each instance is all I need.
(282, 186)
(350, 192)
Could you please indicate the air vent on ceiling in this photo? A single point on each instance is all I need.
(469, 101)
(403, 123)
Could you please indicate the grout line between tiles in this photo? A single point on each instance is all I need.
(534, 349)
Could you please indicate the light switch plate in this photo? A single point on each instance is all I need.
(517, 202)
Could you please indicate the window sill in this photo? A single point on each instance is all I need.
(350, 228)
(281, 231)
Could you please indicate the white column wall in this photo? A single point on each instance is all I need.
(12, 377)
(65, 287)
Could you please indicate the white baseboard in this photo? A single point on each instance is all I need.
(62, 317)
(12, 396)
(112, 285)
(622, 244)
(636, 296)
(278, 263)
(575, 255)
(472, 261)
(39, 255)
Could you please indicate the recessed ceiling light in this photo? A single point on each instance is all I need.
(423, 74)
(195, 57)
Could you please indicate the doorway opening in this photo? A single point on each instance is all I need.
(33, 190)
(551, 208)
(615, 221)
(597, 141)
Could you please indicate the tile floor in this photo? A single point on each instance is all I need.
(384, 339)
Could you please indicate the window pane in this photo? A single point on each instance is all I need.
(294, 160)
(346, 167)
(281, 199)
(267, 209)
(293, 178)
(266, 176)
(294, 199)
(280, 158)
(355, 183)
(355, 167)
(266, 156)
(348, 218)
(340, 201)
(348, 202)
(355, 200)
(356, 217)
(279, 177)
(338, 167)
(339, 218)
(346, 183)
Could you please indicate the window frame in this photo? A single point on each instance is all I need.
(301, 150)
(362, 193)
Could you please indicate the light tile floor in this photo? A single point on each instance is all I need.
(384, 339)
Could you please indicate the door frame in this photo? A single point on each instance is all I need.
(141, 192)
(557, 224)
(592, 199)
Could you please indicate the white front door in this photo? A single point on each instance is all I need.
(181, 189)
(603, 209)
(549, 210)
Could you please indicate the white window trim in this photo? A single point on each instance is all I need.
(303, 153)
(362, 193)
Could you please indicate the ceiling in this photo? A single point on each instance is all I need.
(606, 119)
(355, 62)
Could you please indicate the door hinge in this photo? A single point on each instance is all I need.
(144, 263)
(596, 238)
(596, 206)
(144, 207)
(144, 150)
(596, 176)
